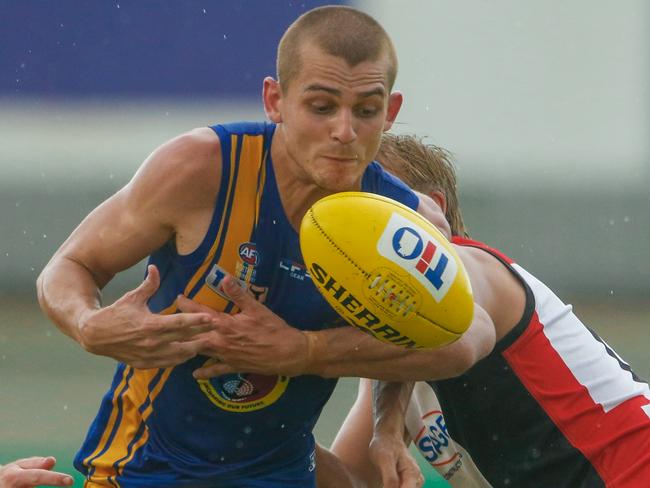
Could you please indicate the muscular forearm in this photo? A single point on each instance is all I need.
(390, 401)
(66, 292)
(346, 351)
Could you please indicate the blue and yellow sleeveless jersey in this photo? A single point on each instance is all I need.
(161, 427)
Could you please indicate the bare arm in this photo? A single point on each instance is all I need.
(138, 219)
(348, 352)
(388, 450)
(255, 340)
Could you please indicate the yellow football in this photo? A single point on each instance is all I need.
(386, 270)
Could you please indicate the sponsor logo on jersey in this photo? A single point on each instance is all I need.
(433, 440)
(243, 392)
(248, 253)
(295, 269)
(418, 253)
(215, 277)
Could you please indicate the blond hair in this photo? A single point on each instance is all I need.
(425, 168)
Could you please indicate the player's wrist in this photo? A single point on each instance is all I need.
(313, 356)
(86, 329)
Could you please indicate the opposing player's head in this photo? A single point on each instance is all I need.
(427, 169)
(332, 99)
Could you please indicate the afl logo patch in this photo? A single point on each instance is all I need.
(244, 392)
(248, 253)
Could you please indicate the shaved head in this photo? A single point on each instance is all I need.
(339, 31)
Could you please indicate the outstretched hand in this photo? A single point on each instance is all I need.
(254, 340)
(392, 459)
(129, 332)
(30, 472)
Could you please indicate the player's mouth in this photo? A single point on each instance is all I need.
(343, 159)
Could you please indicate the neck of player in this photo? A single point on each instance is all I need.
(298, 192)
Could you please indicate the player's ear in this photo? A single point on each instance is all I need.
(272, 96)
(440, 199)
(395, 100)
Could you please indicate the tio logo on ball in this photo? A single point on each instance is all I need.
(419, 253)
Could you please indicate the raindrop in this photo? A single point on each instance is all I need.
(626, 219)
(611, 292)
(495, 437)
(111, 176)
(282, 426)
(611, 222)
(117, 5)
(225, 37)
(24, 232)
(239, 444)
(248, 429)
(65, 407)
(60, 25)
(48, 333)
(222, 458)
(536, 453)
(7, 254)
(32, 268)
(22, 65)
(506, 481)
(204, 11)
(274, 222)
(17, 204)
(44, 236)
(4, 357)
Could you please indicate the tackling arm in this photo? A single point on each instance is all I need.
(138, 219)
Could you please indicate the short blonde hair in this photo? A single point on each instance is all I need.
(425, 168)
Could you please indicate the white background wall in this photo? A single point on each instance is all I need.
(552, 91)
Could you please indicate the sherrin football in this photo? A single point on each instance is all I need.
(386, 270)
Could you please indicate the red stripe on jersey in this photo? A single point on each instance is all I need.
(464, 241)
(617, 443)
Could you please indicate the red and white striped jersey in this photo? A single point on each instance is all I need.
(553, 405)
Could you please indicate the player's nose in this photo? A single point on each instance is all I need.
(343, 127)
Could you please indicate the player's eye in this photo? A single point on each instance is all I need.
(322, 108)
(367, 111)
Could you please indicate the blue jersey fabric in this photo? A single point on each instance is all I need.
(163, 427)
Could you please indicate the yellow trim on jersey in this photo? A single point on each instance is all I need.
(132, 400)
(243, 217)
(111, 420)
(208, 258)
(104, 463)
(145, 415)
